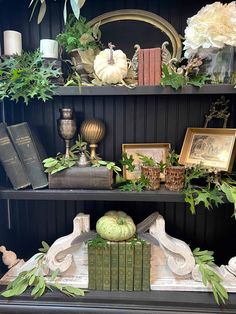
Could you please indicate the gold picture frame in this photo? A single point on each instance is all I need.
(158, 151)
(214, 148)
(143, 16)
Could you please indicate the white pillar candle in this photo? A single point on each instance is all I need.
(12, 43)
(49, 48)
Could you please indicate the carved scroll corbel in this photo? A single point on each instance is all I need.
(179, 256)
(54, 260)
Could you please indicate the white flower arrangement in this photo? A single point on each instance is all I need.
(213, 26)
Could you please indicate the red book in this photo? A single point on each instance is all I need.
(157, 66)
(140, 67)
(151, 67)
(146, 62)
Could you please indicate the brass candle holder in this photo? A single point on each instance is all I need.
(92, 131)
(66, 127)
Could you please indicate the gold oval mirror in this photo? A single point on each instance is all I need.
(147, 17)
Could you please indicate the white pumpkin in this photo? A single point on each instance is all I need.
(111, 66)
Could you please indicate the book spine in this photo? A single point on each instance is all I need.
(129, 281)
(152, 66)
(91, 267)
(82, 178)
(146, 266)
(114, 266)
(25, 146)
(10, 161)
(121, 276)
(99, 268)
(146, 66)
(107, 267)
(140, 67)
(157, 66)
(138, 261)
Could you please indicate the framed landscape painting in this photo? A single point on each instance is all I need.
(214, 148)
(158, 151)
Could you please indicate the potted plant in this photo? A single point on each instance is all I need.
(151, 170)
(174, 173)
(81, 42)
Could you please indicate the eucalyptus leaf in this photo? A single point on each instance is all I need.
(42, 11)
(75, 8)
(65, 11)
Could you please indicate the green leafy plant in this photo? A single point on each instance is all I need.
(137, 185)
(172, 159)
(110, 165)
(205, 261)
(194, 195)
(79, 35)
(35, 280)
(127, 161)
(228, 187)
(76, 5)
(178, 76)
(26, 77)
(60, 162)
(150, 162)
(98, 241)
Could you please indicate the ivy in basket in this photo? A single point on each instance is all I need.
(26, 77)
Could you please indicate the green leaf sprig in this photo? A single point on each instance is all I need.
(37, 282)
(205, 260)
(110, 165)
(26, 77)
(127, 161)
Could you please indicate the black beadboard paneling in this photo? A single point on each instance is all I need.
(128, 119)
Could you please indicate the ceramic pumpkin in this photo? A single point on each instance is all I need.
(116, 226)
(111, 66)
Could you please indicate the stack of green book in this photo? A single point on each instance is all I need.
(123, 266)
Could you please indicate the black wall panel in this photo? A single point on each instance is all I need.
(128, 119)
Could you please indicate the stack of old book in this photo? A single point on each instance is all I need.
(149, 66)
(21, 155)
(123, 266)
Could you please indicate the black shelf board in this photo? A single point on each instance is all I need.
(161, 195)
(153, 302)
(143, 90)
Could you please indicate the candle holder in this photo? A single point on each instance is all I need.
(92, 131)
(66, 127)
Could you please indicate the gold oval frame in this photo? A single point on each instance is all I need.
(143, 16)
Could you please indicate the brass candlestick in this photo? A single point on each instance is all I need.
(93, 131)
(66, 127)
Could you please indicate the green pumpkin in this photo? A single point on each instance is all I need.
(116, 226)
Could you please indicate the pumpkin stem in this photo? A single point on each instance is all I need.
(121, 221)
(111, 59)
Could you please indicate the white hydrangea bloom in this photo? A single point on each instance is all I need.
(213, 26)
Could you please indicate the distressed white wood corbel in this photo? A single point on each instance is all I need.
(179, 255)
(55, 260)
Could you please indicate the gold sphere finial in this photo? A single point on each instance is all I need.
(92, 131)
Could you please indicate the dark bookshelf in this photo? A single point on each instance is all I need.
(144, 90)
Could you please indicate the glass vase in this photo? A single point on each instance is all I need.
(218, 63)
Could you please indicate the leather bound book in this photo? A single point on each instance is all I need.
(107, 266)
(121, 263)
(152, 67)
(114, 266)
(82, 178)
(129, 264)
(138, 263)
(11, 161)
(146, 67)
(146, 266)
(140, 67)
(157, 66)
(28, 152)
